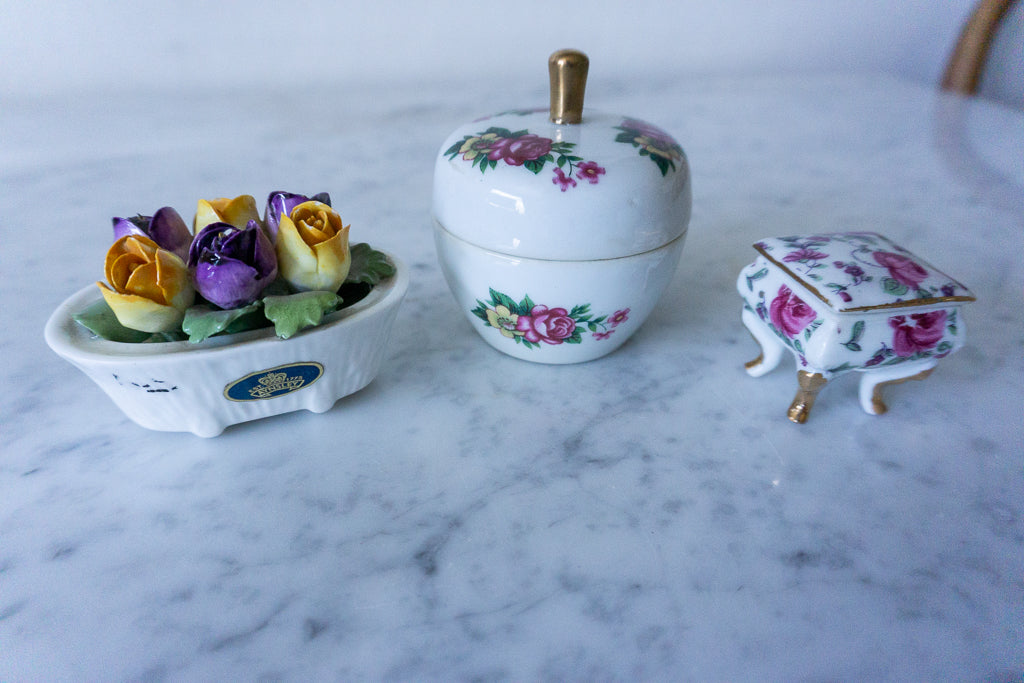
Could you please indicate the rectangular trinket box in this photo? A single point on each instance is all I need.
(852, 301)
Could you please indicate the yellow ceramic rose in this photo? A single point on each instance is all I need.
(312, 248)
(237, 212)
(150, 287)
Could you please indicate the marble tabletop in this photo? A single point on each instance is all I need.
(651, 515)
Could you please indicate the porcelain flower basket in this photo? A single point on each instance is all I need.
(203, 388)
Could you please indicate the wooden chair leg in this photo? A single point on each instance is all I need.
(810, 384)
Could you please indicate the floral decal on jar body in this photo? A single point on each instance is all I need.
(532, 152)
(531, 324)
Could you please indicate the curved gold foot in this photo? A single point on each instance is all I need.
(810, 384)
(877, 404)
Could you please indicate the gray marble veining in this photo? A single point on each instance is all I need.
(648, 516)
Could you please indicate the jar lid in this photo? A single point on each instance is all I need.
(561, 184)
(860, 271)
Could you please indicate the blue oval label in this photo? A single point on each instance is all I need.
(274, 382)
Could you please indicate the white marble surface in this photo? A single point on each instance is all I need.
(648, 516)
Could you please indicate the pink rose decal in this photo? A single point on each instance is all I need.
(917, 332)
(902, 269)
(532, 325)
(789, 314)
(533, 152)
(551, 326)
(517, 151)
(652, 142)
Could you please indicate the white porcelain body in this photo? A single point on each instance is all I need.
(618, 294)
(562, 216)
(180, 386)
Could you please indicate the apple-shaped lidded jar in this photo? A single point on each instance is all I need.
(559, 230)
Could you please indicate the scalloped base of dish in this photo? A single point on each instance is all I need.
(204, 388)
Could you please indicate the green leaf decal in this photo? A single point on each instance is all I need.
(858, 331)
(756, 276)
(534, 165)
(297, 311)
(894, 287)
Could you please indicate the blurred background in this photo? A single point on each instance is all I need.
(62, 45)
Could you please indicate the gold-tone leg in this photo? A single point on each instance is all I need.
(810, 384)
(877, 404)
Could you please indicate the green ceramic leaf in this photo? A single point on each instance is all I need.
(203, 321)
(99, 319)
(368, 265)
(298, 311)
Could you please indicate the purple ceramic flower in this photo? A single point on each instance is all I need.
(902, 269)
(550, 326)
(165, 227)
(789, 314)
(281, 204)
(230, 266)
(917, 332)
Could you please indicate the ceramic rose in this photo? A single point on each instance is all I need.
(849, 302)
(149, 288)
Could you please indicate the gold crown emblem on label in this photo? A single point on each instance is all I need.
(274, 383)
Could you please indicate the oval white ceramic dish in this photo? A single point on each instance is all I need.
(203, 388)
(559, 231)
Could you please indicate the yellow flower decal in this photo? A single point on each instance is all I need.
(312, 248)
(658, 148)
(238, 212)
(478, 145)
(504, 320)
(150, 288)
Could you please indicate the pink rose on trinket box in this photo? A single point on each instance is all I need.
(902, 269)
(550, 326)
(917, 332)
(789, 313)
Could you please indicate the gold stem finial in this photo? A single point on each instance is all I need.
(568, 71)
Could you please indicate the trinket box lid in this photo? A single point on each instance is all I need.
(861, 271)
(561, 183)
